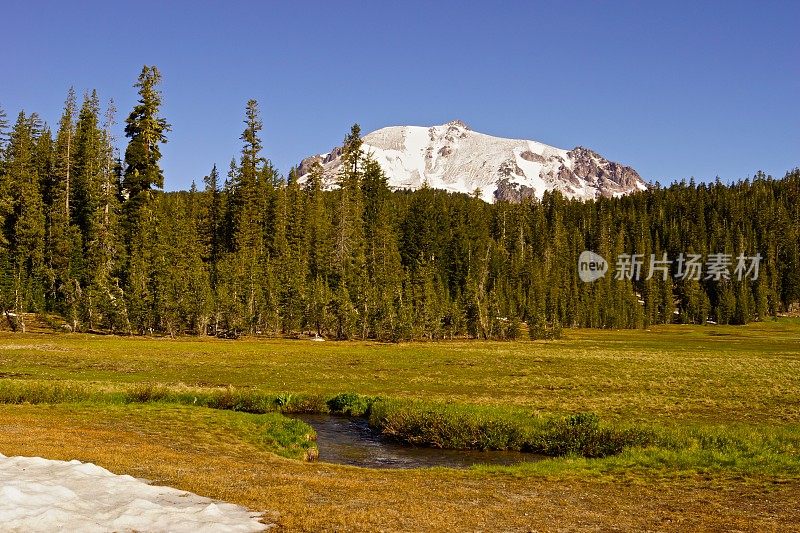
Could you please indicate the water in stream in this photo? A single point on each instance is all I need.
(350, 441)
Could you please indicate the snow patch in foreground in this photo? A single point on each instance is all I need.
(43, 495)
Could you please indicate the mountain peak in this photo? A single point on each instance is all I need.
(454, 158)
(458, 124)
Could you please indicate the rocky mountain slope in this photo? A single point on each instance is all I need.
(455, 158)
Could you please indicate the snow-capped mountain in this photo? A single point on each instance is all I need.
(454, 158)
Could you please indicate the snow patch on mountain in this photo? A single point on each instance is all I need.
(454, 158)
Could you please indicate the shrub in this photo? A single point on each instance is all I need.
(581, 434)
(455, 427)
(300, 403)
(478, 428)
(349, 403)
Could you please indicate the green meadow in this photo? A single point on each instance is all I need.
(640, 423)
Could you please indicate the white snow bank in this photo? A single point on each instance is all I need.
(42, 495)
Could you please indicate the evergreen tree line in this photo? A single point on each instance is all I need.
(88, 234)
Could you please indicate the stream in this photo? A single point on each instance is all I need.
(350, 441)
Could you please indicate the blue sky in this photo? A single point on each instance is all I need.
(673, 89)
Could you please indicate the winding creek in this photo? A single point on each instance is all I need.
(350, 441)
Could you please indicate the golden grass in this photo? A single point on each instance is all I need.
(318, 497)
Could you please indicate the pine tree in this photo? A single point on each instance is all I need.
(89, 164)
(62, 239)
(6, 207)
(248, 206)
(145, 131)
(105, 296)
(348, 252)
(94, 209)
(384, 271)
(318, 251)
(317, 224)
(183, 301)
(248, 212)
(348, 243)
(3, 129)
(211, 223)
(24, 290)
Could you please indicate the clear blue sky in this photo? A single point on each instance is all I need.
(674, 89)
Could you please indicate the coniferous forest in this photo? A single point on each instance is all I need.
(89, 235)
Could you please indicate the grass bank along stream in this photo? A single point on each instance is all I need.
(421, 424)
(452, 426)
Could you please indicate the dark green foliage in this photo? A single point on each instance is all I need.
(22, 286)
(146, 131)
(453, 427)
(348, 403)
(477, 428)
(97, 241)
(581, 434)
(62, 235)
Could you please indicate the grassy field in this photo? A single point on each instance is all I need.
(723, 404)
